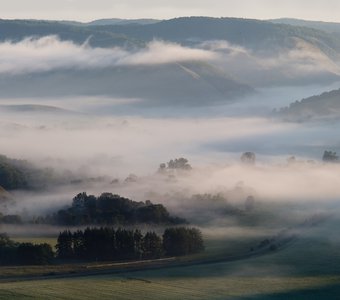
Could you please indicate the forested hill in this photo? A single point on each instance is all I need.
(16, 30)
(326, 105)
(254, 34)
(331, 27)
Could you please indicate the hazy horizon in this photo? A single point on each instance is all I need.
(88, 10)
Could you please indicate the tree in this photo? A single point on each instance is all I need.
(152, 246)
(182, 241)
(8, 250)
(65, 245)
(155, 213)
(330, 156)
(162, 168)
(131, 178)
(248, 158)
(29, 254)
(179, 164)
(111, 209)
(5, 241)
(78, 244)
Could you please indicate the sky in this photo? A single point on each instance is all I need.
(87, 10)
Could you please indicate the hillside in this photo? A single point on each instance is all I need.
(115, 21)
(283, 54)
(253, 34)
(330, 27)
(182, 84)
(326, 105)
(17, 30)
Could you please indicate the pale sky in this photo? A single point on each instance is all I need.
(87, 10)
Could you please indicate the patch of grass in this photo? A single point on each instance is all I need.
(167, 288)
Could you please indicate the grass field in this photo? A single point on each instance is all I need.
(193, 287)
(308, 269)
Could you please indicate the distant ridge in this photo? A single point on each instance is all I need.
(330, 27)
(117, 21)
(324, 106)
(250, 33)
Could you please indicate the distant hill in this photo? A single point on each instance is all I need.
(324, 106)
(116, 21)
(181, 83)
(330, 27)
(17, 30)
(253, 34)
(168, 84)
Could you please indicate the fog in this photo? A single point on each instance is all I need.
(113, 147)
(49, 53)
(97, 136)
(302, 62)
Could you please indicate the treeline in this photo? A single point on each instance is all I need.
(10, 219)
(109, 209)
(12, 253)
(109, 244)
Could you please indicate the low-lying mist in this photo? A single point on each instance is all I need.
(95, 142)
(110, 148)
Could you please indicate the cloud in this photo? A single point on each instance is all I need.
(49, 53)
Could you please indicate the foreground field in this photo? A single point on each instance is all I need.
(307, 269)
(195, 287)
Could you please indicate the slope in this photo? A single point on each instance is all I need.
(324, 106)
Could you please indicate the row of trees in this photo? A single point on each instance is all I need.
(109, 244)
(10, 219)
(12, 253)
(109, 209)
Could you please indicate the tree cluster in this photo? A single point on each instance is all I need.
(12, 253)
(248, 158)
(181, 164)
(11, 174)
(330, 156)
(112, 209)
(120, 244)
